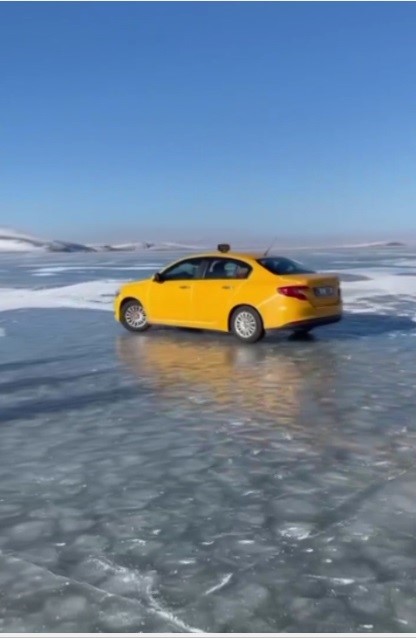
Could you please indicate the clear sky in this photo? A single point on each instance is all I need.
(124, 119)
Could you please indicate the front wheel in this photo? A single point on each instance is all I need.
(246, 324)
(133, 316)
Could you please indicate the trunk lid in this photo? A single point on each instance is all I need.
(322, 289)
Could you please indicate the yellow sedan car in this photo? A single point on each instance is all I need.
(242, 293)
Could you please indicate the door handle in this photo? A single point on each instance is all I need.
(227, 287)
(183, 287)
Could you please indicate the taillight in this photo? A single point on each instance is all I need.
(296, 292)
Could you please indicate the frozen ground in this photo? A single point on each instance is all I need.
(176, 481)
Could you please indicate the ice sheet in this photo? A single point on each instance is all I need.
(172, 481)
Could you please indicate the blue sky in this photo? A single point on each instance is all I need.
(188, 119)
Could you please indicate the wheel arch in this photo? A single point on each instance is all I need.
(127, 299)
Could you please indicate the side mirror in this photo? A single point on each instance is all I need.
(158, 277)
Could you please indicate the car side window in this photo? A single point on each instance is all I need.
(227, 269)
(186, 269)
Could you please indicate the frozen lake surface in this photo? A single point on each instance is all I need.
(178, 481)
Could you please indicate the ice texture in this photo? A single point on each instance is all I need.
(181, 482)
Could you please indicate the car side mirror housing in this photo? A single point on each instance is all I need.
(158, 277)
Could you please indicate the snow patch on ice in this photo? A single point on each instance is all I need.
(298, 532)
(48, 271)
(335, 580)
(384, 284)
(368, 295)
(407, 263)
(95, 295)
(43, 274)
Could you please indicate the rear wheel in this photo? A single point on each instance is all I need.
(246, 324)
(133, 316)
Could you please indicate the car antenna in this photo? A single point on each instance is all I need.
(266, 252)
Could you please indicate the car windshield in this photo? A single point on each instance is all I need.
(283, 266)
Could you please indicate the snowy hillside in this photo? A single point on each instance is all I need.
(12, 241)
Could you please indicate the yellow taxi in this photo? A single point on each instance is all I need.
(242, 293)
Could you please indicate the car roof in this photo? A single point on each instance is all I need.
(215, 254)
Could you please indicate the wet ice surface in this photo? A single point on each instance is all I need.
(176, 481)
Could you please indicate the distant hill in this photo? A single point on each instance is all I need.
(374, 244)
(12, 241)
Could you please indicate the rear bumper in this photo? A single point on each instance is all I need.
(312, 323)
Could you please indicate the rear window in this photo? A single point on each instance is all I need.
(283, 266)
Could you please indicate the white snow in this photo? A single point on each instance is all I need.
(298, 532)
(96, 295)
(383, 283)
(52, 270)
(333, 579)
(16, 245)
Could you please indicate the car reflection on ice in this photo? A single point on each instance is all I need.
(263, 384)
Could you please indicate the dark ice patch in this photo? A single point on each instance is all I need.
(31, 409)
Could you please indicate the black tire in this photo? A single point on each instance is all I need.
(133, 316)
(246, 324)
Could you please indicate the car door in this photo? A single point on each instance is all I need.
(214, 295)
(169, 300)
